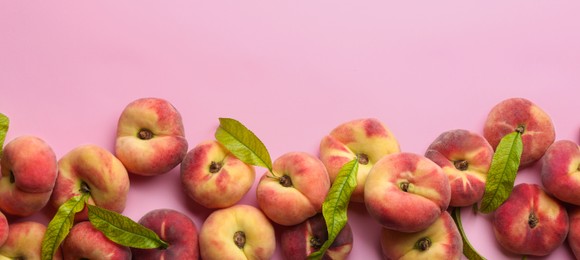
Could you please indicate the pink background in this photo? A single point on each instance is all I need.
(291, 72)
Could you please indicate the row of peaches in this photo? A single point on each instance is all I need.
(408, 194)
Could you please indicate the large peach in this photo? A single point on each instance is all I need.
(150, 137)
(29, 173)
(214, 177)
(441, 240)
(94, 170)
(301, 240)
(465, 158)
(519, 114)
(295, 189)
(406, 192)
(173, 227)
(25, 241)
(86, 242)
(561, 171)
(237, 232)
(368, 139)
(530, 222)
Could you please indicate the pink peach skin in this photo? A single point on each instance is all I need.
(406, 192)
(465, 158)
(150, 137)
(173, 227)
(561, 171)
(367, 138)
(295, 190)
(25, 241)
(86, 242)
(530, 222)
(574, 231)
(29, 173)
(508, 115)
(90, 168)
(214, 177)
(4, 228)
(441, 240)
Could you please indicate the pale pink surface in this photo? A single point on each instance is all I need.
(290, 72)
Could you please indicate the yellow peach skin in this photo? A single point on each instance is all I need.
(237, 232)
(369, 139)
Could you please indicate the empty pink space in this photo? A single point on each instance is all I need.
(291, 72)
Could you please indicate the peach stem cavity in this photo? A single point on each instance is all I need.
(461, 165)
(533, 220)
(215, 167)
(423, 244)
(285, 181)
(145, 134)
(240, 239)
(404, 186)
(363, 158)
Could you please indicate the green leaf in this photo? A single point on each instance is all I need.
(123, 230)
(334, 208)
(468, 250)
(4, 123)
(502, 172)
(60, 225)
(243, 143)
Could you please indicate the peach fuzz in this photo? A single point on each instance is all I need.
(4, 228)
(237, 232)
(406, 192)
(441, 240)
(91, 169)
(369, 139)
(295, 190)
(561, 171)
(25, 241)
(29, 173)
(301, 240)
(173, 227)
(519, 113)
(574, 231)
(530, 222)
(86, 242)
(150, 137)
(214, 177)
(465, 158)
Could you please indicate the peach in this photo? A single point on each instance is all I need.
(441, 240)
(237, 232)
(465, 158)
(86, 242)
(94, 170)
(29, 173)
(4, 228)
(295, 189)
(530, 222)
(214, 177)
(173, 227)
(369, 139)
(150, 137)
(561, 171)
(519, 114)
(574, 231)
(301, 240)
(25, 241)
(406, 192)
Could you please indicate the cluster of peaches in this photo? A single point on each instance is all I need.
(408, 194)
